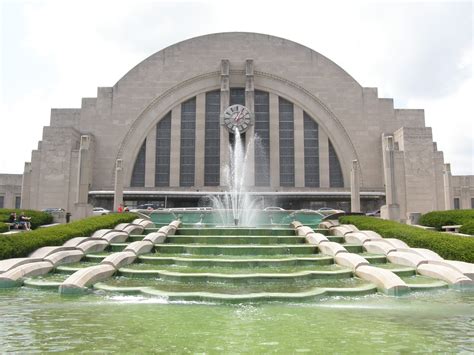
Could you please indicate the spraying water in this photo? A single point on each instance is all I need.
(237, 206)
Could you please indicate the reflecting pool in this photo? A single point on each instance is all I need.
(40, 321)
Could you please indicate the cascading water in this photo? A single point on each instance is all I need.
(237, 206)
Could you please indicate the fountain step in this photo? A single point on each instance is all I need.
(204, 296)
(49, 281)
(282, 249)
(374, 258)
(72, 268)
(252, 240)
(235, 290)
(421, 283)
(400, 270)
(353, 248)
(236, 263)
(233, 269)
(335, 238)
(256, 278)
(236, 231)
(234, 239)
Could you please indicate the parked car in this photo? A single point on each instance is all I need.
(99, 211)
(271, 208)
(373, 213)
(52, 210)
(148, 206)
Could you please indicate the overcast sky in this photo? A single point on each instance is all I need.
(53, 53)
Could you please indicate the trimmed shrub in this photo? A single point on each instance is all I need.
(437, 219)
(21, 244)
(3, 227)
(38, 218)
(467, 228)
(448, 246)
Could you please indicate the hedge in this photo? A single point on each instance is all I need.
(4, 227)
(38, 218)
(21, 244)
(448, 246)
(467, 228)
(437, 219)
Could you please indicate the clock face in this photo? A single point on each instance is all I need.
(237, 116)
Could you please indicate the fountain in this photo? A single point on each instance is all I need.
(173, 272)
(236, 207)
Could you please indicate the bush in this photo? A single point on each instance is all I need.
(4, 227)
(448, 246)
(21, 244)
(437, 219)
(38, 218)
(467, 228)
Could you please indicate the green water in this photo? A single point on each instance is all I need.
(239, 257)
(40, 321)
(234, 270)
(241, 288)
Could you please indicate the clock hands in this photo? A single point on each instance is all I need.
(239, 116)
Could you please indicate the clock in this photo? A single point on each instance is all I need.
(237, 116)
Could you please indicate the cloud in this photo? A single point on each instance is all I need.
(57, 52)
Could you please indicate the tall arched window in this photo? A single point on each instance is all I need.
(335, 172)
(138, 174)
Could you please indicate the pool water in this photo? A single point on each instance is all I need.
(42, 321)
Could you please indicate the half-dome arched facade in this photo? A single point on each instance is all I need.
(159, 136)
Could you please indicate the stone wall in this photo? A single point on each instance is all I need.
(10, 189)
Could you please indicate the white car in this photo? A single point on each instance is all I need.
(99, 211)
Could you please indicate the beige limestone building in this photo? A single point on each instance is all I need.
(161, 135)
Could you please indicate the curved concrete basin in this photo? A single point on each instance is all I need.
(133, 229)
(316, 238)
(43, 252)
(80, 280)
(156, 237)
(331, 248)
(296, 224)
(378, 247)
(465, 268)
(447, 274)
(329, 223)
(74, 242)
(140, 247)
(304, 230)
(93, 246)
(342, 230)
(350, 260)
(165, 230)
(425, 253)
(396, 243)
(12, 277)
(100, 233)
(175, 224)
(65, 257)
(385, 280)
(406, 259)
(145, 223)
(115, 236)
(117, 260)
(9, 264)
(356, 238)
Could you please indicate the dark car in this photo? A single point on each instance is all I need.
(373, 213)
(147, 206)
(53, 210)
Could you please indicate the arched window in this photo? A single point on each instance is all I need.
(335, 172)
(262, 131)
(138, 174)
(311, 152)
(162, 155)
(212, 139)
